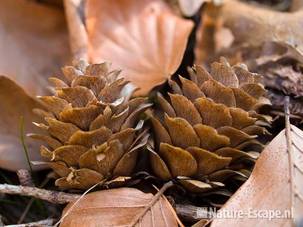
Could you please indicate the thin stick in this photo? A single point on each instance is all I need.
(30, 203)
(50, 196)
(152, 202)
(25, 177)
(46, 222)
(1, 222)
(290, 154)
(192, 213)
(23, 143)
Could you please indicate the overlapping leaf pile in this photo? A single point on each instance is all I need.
(204, 126)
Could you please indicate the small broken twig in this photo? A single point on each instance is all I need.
(25, 177)
(45, 222)
(152, 202)
(192, 213)
(50, 196)
(28, 206)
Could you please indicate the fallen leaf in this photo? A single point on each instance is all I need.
(77, 34)
(267, 41)
(14, 103)
(249, 24)
(281, 67)
(143, 38)
(190, 7)
(119, 207)
(269, 188)
(34, 43)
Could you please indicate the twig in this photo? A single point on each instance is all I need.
(1, 222)
(78, 34)
(50, 196)
(45, 222)
(191, 213)
(290, 154)
(152, 202)
(28, 206)
(25, 177)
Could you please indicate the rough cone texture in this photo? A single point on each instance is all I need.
(93, 131)
(205, 130)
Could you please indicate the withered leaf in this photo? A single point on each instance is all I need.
(15, 103)
(34, 45)
(144, 38)
(268, 187)
(190, 7)
(223, 24)
(119, 207)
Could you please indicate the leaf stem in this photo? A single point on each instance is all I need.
(290, 154)
(152, 202)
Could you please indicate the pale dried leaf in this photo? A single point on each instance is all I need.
(34, 43)
(119, 207)
(144, 38)
(245, 25)
(14, 103)
(268, 187)
(190, 7)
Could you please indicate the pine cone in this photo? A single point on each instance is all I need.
(94, 132)
(205, 129)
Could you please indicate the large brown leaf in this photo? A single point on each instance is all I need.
(119, 207)
(236, 24)
(34, 43)
(14, 103)
(269, 187)
(190, 7)
(143, 38)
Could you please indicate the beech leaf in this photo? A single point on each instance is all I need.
(190, 7)
(34, 43)
(15, 103)
(144, 38)
(269, 186)
(120, 207)
(224, 27)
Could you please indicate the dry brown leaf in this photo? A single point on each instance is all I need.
(235, 23)
(34, 43)
(144, 38)
(269, 187)
(77, 33)
(14, 103)
(190, 7)
(119, 207)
